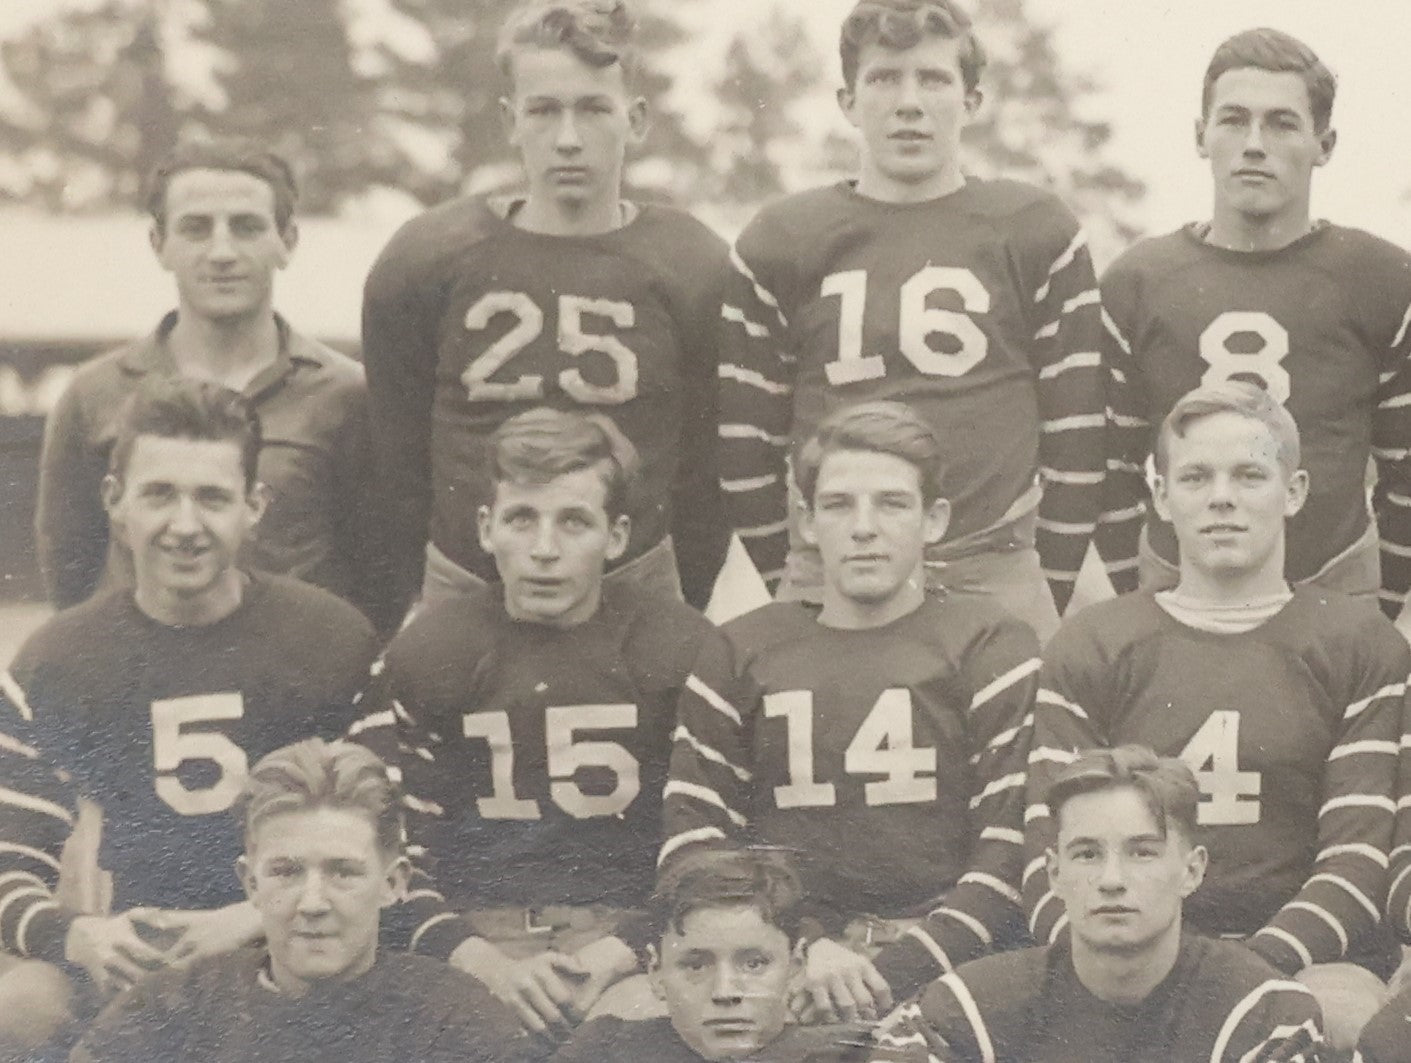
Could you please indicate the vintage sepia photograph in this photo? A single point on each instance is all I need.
(774, 531)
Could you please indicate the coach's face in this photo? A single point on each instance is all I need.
(320, 880)
(221, 243)
(551, 542)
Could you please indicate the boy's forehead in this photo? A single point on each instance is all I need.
(931, 50)
(1120, 813)
(1256, 88)
(1227, 435)
(846, 468)
(205, 188)
(722, 929)
(315, 833)
(159, 457)
(581, 488)
(546, 70)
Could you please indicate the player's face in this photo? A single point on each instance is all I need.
(1227, 496)
(725, 979)
(1261, 143)
(1122, 879)
(551, 542)
(571, 123)
(871, 525)
(183, 509)
(910, 107)
(222, 244)
(319, 881)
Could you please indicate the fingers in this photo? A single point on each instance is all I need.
(878, 987)
(543, 999)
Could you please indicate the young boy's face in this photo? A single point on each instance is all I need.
(725, 979)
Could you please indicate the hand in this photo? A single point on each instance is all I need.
(841, 986)
(110, 948)
(541, 989)
(606, 961)
(208, 932)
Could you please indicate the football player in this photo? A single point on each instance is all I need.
(1317, 313)
(151, 702)
(973, 301)
(1129, 982)
(1286, 702)
(530, 722)
(569, 296)
(222, 226)
(883, 739)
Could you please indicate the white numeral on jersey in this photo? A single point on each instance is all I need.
(916, 324)
(1263, 363)
(883, 745)
(566, 757)
(172, 746)
(1217, 744)
(573, 340)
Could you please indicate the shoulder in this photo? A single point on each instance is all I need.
(1001, 197)
(993, 996)
(334, 367)
(1330, 619)
(99, 383)
(771, 625)
(664, 635)
(1367, 251)
(1153, 256)
(287, 608)
(970, 625)
(610, 1038)
(659, 222)
(1107, 626)
(461, 628)
(799, 215)
(73, 634)
(423, 245)
(1244, 999)
(204, 991)
(441, 997)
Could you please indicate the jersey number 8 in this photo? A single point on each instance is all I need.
(1264, 363)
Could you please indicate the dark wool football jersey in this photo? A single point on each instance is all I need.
(1399, 872)
(1219, 1004)
(159, 726)
(1292, 731)
(1323, 325)
(890, 761)
(979, 309)
(533, 757)
(468, 320)
(228, 1009)
(614, 1040)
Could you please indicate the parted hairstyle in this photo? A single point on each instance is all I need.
(599, 32)
(902, 24)
(1230, 396)
(313, 774)
(763, 879)
(181, 408)
(1276, 51)
(538, 445)
(881, 427)
(241, 154)
(1165, 784)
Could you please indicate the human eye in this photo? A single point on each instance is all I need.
(884, 76)
(577, 522)
(935, 78)
(1083, 853)
(194, 228)
(282, 869)
(156, 492)
(756, 963)
(248, 225)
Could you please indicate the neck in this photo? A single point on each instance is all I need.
(1234, 588)
(1126, 977)
(1235, 231)
(294, 987)
(849, 614)
(874, 184)
(544, 213)
(229, 351)
(209, 606)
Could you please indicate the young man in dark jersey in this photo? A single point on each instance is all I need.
(570, 296)
(1286, 702)
(727, 932)
(151, 702)
(222, 226)
(530, 722)
(882, 739)
(323, 856)
(1317, 313)
(973, 301)
(1129, 982)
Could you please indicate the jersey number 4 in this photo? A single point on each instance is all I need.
(1260, 361)
(883, 745)
(573, 339)
(173, 744)
(1213, 754)
(565, 756)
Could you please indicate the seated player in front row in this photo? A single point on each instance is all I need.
(1128, 983)
(531, 722)
(727, 926)
(323, 856)
(1286, 703)
(882, 738)
(150, 702)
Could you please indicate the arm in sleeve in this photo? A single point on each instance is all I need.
(982, 911)
(1399, 873)
(1391, 448)
(943, 1025)
(147, 1021)
(1276, 1022)
(71, 526)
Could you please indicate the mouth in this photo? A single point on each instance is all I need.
(1114, 910)
(1223, 529)
(909, 136)
(735, 1026)
(1254, 175)
(571, 174)
(542, 584)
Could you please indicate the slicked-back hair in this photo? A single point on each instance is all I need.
(313, 774)
(902, 24)
(1230, 396)
(763, 879)
(180, 408)
(880, 427)
(240, 154)
(598, 32)
(1275, 51)
(541, 444)
(1166, 785)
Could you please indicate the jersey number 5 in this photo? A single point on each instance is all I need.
(1263, 362)
(573, 339)
(1213, 754)
(174, 745)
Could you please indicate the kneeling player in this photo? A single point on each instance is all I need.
(1286, 703)
(883, 738)
(531, 722)
(728, 942)
(151, 701)
(323, 856)
(1129, 983)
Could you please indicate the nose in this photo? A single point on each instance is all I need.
(908, 96)
(546, 541)
(1111, 877)
(1254, 139)
(185, 519)
(725, 989)
(1221, 491)
(568, 140)
(313, 897)
(864, 521)
(222, 245)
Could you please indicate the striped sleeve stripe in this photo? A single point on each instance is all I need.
(1082, 299)
(1004, 889)
(1348, 888)
(15, 799)
(435, 920)
(23, 928)
(1058, 928)
(752, 483)
(423, 895)
(737, 316)
(1371, 852)
(1053, 575)
(1324, 915)
(28, 877)
(972, 1014)
(386, 718)
(1306, 1035)
(1243, 1008)
(1122, 566)
(1033, 867)
(1002, 834)
(29, 851)
(1305, 958)
(1080, 360)
(996, 687)
(1396, 885)
(1398, 499)
(29, 893)
(1386, 804)
(1127, 420)
(741, 375)
(749, 431)
(1387, 377)
(968, 921)
(1060, 527)
(763, 531)
(1396, 402)
(697, 687)
(16, 696)
(395, 774)
(1068, 424)
(1115, 333)
(1391, 690)
(1035, 812)
(1119, 516)
(1058, 701)
(10, 744)
(1395, 549)
(1391, 453)
(688, 837)
(426, 808)
(1352, 749)
(682, 734)
(1401, 332)
(1077, 479)
(1007, 782)
(705, 795)
(932, 946)
(763, 294)
(1061, 263)
(1118, 465)
(1003, 739)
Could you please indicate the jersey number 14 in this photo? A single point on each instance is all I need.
(1213, 754)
